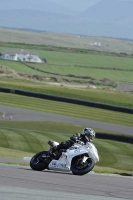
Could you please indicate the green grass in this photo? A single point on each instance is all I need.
(118, 155)
(64, 63)
(66, 109)
(72, 59)
(81, 59)
(113, 75)
(18, 67)
(58, 40)
(68, 129)
(103, 96)
(112, 154)
(11, 153)
(110, 170)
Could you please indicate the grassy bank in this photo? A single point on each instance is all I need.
(102, 96)
(114, 156)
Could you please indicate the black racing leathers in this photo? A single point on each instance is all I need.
(80, 137)
(68, 143)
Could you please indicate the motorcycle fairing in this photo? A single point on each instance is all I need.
(64, 162)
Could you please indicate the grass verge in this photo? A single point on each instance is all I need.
(102, 96)
(115, 157)
(66, 109)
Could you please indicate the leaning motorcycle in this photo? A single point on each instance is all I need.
(78, 159)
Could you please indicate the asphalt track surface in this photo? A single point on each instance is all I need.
(19, 114)
(23, 183)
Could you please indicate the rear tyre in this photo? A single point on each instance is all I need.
(82, 169)
(39, 161)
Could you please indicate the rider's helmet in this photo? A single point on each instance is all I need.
(89, 134)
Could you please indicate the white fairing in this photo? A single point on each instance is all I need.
(93, 153)
(64, 162)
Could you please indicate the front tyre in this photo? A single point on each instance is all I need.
(39, 161)
(81, 169)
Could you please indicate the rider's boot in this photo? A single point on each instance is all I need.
(59, 153)
(53, 150)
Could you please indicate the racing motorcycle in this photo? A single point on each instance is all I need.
(78, 159)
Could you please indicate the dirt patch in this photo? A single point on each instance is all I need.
(6, 72)
(69, 80)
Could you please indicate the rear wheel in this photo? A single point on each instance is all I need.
(80, 169)
(40, 161)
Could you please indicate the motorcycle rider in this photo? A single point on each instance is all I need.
(87, 135)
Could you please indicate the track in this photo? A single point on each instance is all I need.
(22, 182)
(19, 114)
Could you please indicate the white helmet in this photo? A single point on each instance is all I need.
(89, 134)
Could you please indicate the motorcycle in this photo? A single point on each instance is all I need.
(78, 159)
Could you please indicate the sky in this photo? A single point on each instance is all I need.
(78, 5)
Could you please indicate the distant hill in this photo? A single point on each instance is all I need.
(41, 5)
(33, 19)
(110, 10)
(108, 18)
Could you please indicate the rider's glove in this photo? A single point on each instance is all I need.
(73, 139)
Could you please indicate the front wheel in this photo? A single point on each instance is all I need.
(40, 161)
(81, 169)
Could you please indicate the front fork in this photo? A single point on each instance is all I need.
(82, 160)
